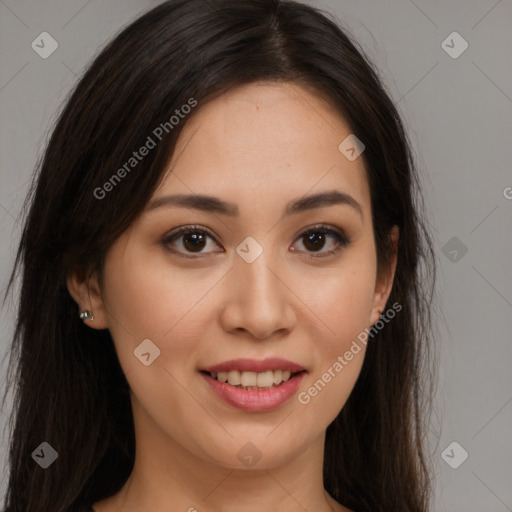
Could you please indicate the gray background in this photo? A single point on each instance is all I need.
(459, 115)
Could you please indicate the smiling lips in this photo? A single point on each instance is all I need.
(253, 374)
(253, 385)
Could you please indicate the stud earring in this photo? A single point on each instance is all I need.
(86, 315)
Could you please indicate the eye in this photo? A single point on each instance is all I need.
(193, 239)
(316, 238)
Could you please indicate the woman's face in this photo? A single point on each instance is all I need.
(279, 272)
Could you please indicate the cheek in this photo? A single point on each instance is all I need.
(156, 302)
(341, 303)
(144, 298)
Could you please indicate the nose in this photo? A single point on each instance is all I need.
(259, 300)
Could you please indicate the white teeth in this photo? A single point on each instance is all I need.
(248, 379)
(253, 380)
(222, 376)
(265, 379)
(278, 376)
(234, 377)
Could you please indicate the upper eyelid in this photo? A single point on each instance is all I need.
(180, 231)
(197, 227)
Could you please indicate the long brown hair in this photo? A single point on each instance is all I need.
(69, 389)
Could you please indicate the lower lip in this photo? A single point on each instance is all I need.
(255, 400)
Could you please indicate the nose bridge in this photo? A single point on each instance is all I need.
(255, 259)
(259, 301)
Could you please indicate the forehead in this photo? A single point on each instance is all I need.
(266, 142)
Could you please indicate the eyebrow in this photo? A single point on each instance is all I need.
(211, 204)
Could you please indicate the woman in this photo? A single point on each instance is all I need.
(222, 305)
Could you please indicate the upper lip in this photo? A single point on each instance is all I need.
(255, 365)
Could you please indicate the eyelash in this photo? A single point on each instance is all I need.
(341, 239)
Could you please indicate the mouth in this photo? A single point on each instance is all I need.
(253, 385)
(254, 381)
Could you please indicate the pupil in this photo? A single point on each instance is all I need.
(316, 239)
(197, 240)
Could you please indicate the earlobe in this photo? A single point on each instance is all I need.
(87, 294)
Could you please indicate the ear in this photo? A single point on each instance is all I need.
(384, 281)
(86, 293)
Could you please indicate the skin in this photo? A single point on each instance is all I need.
(258, 146)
